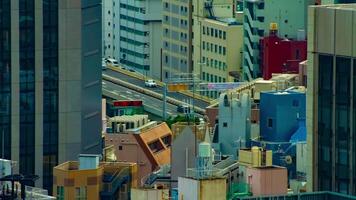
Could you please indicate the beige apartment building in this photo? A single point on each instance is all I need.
(177, 38)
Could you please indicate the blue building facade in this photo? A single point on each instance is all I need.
(282, 126)
(280, 113)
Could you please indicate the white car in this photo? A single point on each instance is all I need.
(112, 62)
(150, 83)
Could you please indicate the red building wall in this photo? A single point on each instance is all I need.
(281, 55)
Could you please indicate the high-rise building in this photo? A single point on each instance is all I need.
(177, 38)
(290, 17)
(140, 35)
(331, 106)
(50, 83)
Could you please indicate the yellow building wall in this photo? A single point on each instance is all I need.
(80, 178)
(233, 45)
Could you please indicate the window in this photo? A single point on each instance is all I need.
(155, 146)
(224, 35)
(297, 54)
(120, 147)
(109, 12)
(203, 45)
(60, 192)
(166, 5)
(167, 140)
(203, 30)
(225, 124)
(80, 193)
(224, 51)
(269, 123)
(220, 33)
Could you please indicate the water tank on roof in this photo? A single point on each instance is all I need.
(88, 161)
(204, 149)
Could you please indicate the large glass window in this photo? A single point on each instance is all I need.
(342, 118)
(27, 86)
(60, 193)
(80, 193)
(5, 80)
(50, 91)
(324, 120)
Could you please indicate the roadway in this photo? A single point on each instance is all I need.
(123, 93)
(135, 81)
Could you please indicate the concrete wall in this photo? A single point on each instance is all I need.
(282, 109)
(234, 126)
(183, 154)
(150, 194)
(263, 181)
(108, 10)
(210, 189)
(130, 151)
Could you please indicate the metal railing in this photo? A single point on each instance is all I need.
(303, 196)
(203, 174)
(117, 180)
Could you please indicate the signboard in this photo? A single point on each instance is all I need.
(127, 103)
(223, 86)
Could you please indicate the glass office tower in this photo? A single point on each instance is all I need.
(331, 107)
(50, 83)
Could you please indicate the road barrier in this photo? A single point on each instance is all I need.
(150, 93)
(159, 83)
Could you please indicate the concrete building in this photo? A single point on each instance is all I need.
(217, 41)
(148, 146)
(281, 55)
(90, 179)
(330, 98)
(108, 26)
(257, 18)
(140, 28)
(280, 112)
(50, 83)
(177, 38)
(219, 56)
(203, 181)
(186, 138)
(150, 193)
(234, 125)
(263, 181)
(206, 189)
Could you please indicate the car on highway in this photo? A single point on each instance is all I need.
(112, 62)
(183, 109)
(150, 83)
